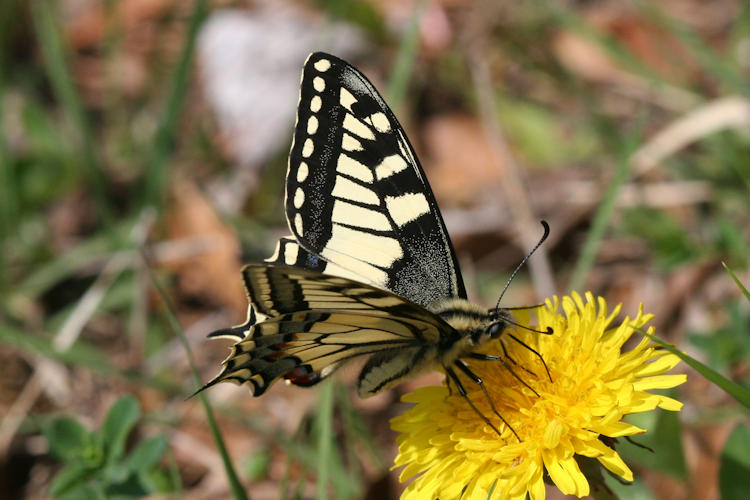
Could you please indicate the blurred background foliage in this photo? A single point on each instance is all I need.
(144, 142)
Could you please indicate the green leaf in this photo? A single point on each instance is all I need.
(730, 240)
(130, 488)
(668, 239)
(72, 478)
(664, 436)
(729, 344)
(256, 466)
(120, 420)
(594, 472)
(116, 472)
(538, 135)
(68, 439)
(324, 430)
(87, 492)
(161, 481)
(734, 468)
(147, 454)
(636, 490)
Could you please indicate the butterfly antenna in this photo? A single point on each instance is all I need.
(527, 346)
(519, 266)
(548, 331)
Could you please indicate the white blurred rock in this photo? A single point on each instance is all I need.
(250, 63)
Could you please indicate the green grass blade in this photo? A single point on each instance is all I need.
(324, 427)
(402, 67)
(735, 390)
(234, 483)
(81, 354)
(98, 248)
(44, 19)
(723, 68)
(601, 220)
(620, 54)
(355, 427)
(8, 204)
(737, 280)
(157, 176)
(174, 476)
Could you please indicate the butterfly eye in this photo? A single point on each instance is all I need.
(495, 330)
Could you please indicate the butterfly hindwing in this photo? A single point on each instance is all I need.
(356, 195)
(315, 322)
(288, 252)
(278, 290)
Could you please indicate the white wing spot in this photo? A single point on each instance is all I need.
(319, 84)
(350, 190)
(302, 171)
(322, 65)
(353, 168)
(307, 148)
(299, 198)
(298, 223)
(390, 165)
(315, 104)
(356, 126)
(354, 215)
(380, 122)
(349, 143)
(407, 207)
(290, 253)
(346, 99)
(312, 125)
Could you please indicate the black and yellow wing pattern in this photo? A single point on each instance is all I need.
(315, 322)
(369, 269)
(356, 195)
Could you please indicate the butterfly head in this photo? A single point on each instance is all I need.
(497, 320)
(496, 329)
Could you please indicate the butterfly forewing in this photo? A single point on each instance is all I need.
(288, 252)
(356, 195)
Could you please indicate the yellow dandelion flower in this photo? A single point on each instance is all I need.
(593, 385)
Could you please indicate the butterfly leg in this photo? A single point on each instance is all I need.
(487, 357)
(462, 391)
(534, 351)
(478, 380)
(507, 357)
(450, 388)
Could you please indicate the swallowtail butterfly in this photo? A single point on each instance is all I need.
(369, 270)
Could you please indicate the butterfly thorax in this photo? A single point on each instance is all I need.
(472, 326)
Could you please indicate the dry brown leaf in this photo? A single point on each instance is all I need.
(213, 270)
(586, 59)
(461, 161)
(649, 43)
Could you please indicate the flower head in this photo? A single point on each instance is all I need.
(592, 385)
